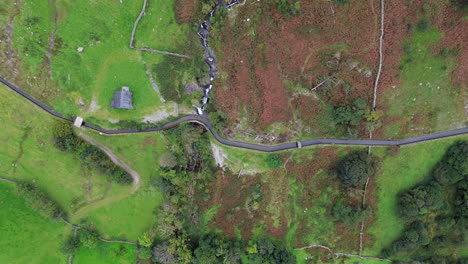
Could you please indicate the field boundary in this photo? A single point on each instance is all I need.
(374, 104)
(342, 254)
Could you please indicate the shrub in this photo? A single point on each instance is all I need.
(340, 2)
(273, 161)
(423, 25)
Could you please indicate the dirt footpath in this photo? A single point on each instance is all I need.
(136, 177)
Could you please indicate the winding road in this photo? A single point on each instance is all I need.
(203, 120)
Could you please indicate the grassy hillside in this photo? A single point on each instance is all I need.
(26, 236)
(29, 155)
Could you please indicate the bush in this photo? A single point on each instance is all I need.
(340, 2)
(423, 25)
(273, 161)
(355, 168)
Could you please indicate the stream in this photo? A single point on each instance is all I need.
(210, 59)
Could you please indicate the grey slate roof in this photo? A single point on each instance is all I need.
(122, 99)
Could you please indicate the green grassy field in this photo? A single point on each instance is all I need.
(30, 155)
(26, 237)
(425, 100)
(158, 29)
(106, 63)
(106, 253)
(400, 172)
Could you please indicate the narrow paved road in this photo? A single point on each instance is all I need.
(203, 120)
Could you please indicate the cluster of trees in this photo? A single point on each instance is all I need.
(187, 165)
(217, 248)
(353, 171)
(436, 210)
(40, 201)
(86, 237)
(288, 8)
(349, 215)
(420, 200)
(66, 140)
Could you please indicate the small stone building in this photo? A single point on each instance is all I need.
(122, 99)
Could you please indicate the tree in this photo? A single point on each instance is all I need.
(144, 253)
(89, 238)
(180, 247)
(214, 248)
(162, 256)
(414, 236)
(168, 160)
(350, 115)
(461, 200)
(420, 200)
(70, 246)
(453, 167)
(65, 139)
(355, 168)
(217, 119)
(145, 240)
